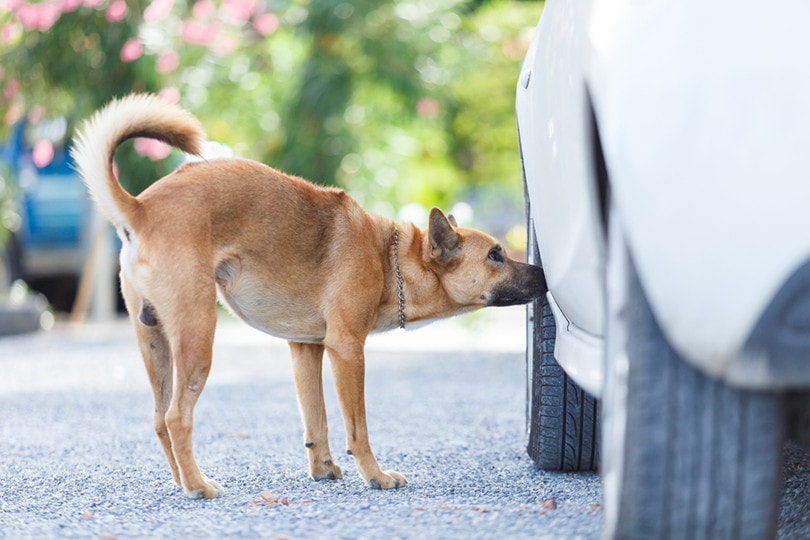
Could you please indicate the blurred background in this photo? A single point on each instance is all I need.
(405, 104)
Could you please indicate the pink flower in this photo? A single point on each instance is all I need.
(39, 16)
(9, 33)
(428, 107)
(152, 148)
(203, 9)
(12, 89)
(8, 5)
(70, 5)
(117, 11)
(28, 15)
(42, 153)
(14, 113)
(225, 46)
(170, 94)
(239, 10)
(167, 62)
(131, 51)
(158, 10)
(198, 33)
(266, 23)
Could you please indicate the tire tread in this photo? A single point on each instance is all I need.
(702, 457)
(563, 421)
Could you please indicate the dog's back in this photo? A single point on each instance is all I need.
(224, 192)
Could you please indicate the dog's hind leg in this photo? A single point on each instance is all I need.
(307, 360)
(158, 361)
(193, 319)
(348, 365)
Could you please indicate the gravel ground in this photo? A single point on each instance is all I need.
(78, 457)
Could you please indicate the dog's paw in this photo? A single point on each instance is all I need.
(387, 480)
(210, 489)
(326, 470)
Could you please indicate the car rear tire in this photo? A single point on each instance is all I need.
(684, 455)
(562, 419)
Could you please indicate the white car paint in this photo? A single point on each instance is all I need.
(703, 111)
(552, 119)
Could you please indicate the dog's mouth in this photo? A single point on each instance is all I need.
(507, 301)
(511, 296)
(500, 300)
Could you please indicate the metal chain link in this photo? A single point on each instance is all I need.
(400, 281)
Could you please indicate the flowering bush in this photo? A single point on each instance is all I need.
(380, 97)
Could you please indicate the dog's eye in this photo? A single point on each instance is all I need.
(496, 255)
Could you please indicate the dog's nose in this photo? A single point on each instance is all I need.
(537, 280)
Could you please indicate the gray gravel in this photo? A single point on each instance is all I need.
(78, 457)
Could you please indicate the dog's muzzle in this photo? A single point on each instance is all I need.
(527, 283)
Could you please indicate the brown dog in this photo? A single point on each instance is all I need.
(295, 260)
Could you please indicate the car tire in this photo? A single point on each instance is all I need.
(562, 420)
(684, 455)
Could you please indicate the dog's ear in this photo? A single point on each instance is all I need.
(452, 219)
(444, 239)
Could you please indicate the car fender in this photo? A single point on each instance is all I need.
(704, 121)
(553, 121)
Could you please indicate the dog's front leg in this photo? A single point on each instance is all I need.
(348, 365)
(307, 362)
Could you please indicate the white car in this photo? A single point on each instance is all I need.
(666, 154)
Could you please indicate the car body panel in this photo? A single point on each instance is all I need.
(579, 353)
(703, 136)
(708, 161)
(552, 120)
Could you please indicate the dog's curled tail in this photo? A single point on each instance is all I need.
(137, 115)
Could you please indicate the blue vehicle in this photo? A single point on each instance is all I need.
(51, 237)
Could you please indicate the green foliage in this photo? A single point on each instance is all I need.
(9, 218)
(398, 102)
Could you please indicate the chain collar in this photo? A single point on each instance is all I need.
(400, 281)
